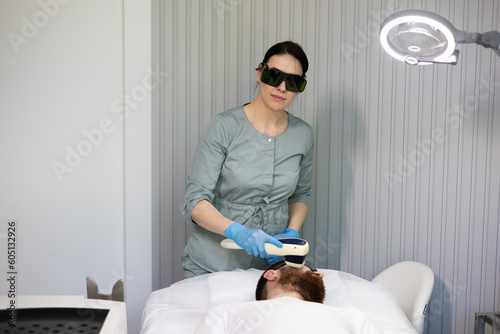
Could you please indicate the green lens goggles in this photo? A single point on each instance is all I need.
(274, 77)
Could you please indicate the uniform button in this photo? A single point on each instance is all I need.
(270, 140)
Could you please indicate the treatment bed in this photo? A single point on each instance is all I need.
(181, 307)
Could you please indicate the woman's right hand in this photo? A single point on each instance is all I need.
(251, 240)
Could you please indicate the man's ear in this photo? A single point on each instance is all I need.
(271, 275)
(319, 273)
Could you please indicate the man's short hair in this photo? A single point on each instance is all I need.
(260, 293)
(309, 286)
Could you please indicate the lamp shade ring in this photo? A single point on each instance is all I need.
(418, 37)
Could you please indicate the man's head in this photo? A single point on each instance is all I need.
(281, 280)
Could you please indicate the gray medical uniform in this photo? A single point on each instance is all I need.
(250, 178)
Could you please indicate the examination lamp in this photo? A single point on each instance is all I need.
(419, 37)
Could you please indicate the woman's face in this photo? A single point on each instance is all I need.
(279, 98)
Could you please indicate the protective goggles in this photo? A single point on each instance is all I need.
(274, 77)
(307, 264)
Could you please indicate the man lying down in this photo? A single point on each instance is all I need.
(288, 300)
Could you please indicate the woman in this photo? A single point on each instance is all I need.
(251, 176)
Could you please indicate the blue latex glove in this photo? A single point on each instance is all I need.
(270, 259)
(250, 240)
(289, 233)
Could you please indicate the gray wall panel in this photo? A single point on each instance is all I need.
(406, 157)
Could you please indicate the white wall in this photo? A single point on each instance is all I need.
(141, 79)
(56, 86)
(67, 71)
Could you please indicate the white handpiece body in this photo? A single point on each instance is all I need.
(287, 249)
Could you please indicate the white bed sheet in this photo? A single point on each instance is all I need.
(181, 307)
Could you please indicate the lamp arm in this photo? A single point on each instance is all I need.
(488, 40)
(466, 37)
(491, 40)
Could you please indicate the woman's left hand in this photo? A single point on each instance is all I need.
(270, 259)
(289, 233)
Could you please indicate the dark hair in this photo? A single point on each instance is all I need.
(291, 48)
(260, 291)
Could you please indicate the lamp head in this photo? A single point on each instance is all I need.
(419, 37)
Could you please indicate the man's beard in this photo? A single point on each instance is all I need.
(307, 284)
